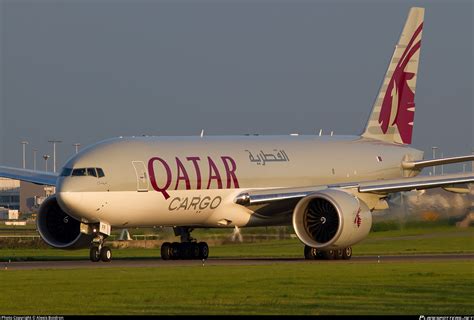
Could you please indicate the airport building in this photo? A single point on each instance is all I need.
(19, 197)
(32, 196)
(9, 194)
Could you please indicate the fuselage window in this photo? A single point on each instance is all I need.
(79, 172)
(100, 173)
(91, 172)
(66, 172)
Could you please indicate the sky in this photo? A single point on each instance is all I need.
(83, 71)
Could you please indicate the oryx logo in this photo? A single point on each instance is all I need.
(399, 101)
(358, 219)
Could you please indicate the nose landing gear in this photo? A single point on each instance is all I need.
(187, 249)
(99, 252)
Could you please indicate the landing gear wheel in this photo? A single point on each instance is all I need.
(105, 254)
(94, 254)
(310, 253)
(175, 251)
(347, 253)
(339, 254)
(203, 250)
(307, 253)
(195, 251)
(165, 251)
(185, 250)
(320, 255)
(329, 255)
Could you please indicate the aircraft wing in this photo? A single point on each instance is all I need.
(38, 177)
(451, 182)
(418, 165)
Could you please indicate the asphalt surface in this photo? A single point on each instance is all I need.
(158, 263)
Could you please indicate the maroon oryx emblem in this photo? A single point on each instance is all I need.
(358, 219)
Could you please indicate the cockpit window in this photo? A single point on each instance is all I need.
(100, 172)
(91, 172)
(66, 172)
(79, 172)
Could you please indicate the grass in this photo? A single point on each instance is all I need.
(306, 288)
(300, 288)
(436, 239)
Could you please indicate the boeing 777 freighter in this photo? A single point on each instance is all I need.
(325, 186)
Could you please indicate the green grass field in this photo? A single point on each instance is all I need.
(300, 288)
(306, 288)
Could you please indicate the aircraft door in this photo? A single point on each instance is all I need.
(142, 176)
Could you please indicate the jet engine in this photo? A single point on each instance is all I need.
(58, 229)
(331, 219)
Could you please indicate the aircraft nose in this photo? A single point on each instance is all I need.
(70, 202)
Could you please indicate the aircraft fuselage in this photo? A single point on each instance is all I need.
(194, 180)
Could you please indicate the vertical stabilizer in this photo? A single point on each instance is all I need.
(393, 112)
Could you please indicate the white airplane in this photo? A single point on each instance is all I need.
(325, 186)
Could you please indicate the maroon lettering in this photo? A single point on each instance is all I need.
(151, 172)
(182, 175)
(195, 160)
(213, 174)
(230, 171)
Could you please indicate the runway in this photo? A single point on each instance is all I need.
(158, 263)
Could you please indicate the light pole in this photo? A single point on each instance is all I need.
(24, 143)
(54, 152)
(442, 166)
(77, 145)
(34, 158)
(472, 164)
(434, 157)
(46, 157)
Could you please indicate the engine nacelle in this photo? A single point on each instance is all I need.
(58, 229)
(331, 219)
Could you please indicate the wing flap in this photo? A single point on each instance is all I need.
(38, 177)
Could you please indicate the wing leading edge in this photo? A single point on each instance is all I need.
(418, 183)
(452, 182)
(418, 165)
(38, 177)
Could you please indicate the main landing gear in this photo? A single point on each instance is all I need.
(311, 253)
(98, 251)
(187, 249)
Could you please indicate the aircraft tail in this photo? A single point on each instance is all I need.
(393, 112)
